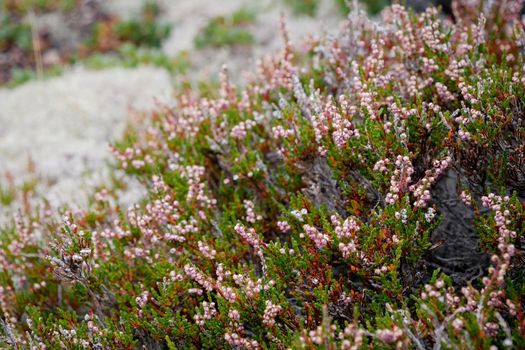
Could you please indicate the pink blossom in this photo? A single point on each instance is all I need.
(320, 239)
(270, 313)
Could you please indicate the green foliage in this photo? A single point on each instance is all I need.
(131, 56)
(304, 7)
(226, 31)
(14, 33)
(146, 31)
(343, 5)
(374, 7)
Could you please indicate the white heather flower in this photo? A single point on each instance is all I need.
(430, 214)
(299, 214)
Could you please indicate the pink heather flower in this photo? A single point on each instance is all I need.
(343, 129)
(270, 313)
(252, 288)
(400, 180)
(236, 341)
(142, 300)
(284, 227)
(381, 165)
(466, 198)
(196, 191)
(320, 239)
(511, 306)
(319, 335)
(240, 130)
(281, 133)
(389, 335)
(444, 93)
(421, 189)
(320, 125)
(234, 315)
(193, 273)
(238, 279)
(486, 201)
(251, 216)
(209, 313)
(181, 229)
(380, 271)
(228, 293)
(206, 250)
(491, 328)
(464, 135)
(347, 248)
(249, 235)
(221, 272)
(345, 230)
(401, 215)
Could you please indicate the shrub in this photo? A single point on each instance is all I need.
(365, 194)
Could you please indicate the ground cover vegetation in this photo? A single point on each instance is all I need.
(366, 191)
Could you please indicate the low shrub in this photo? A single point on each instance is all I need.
(367, 193)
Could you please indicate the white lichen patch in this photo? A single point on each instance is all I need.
(63, 125)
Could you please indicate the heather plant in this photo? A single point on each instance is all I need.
(310, 7)
(366, 193)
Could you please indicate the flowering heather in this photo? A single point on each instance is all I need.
(368, 192)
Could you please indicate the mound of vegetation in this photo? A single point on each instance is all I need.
(368, 193)
(30, 47)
